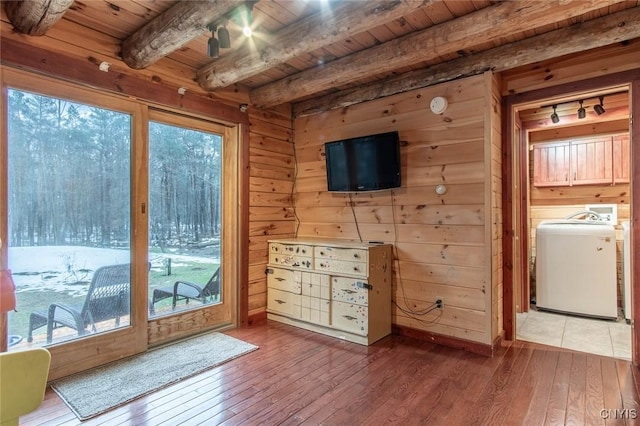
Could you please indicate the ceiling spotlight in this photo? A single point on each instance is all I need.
(554, 115)
(223, 37)
(582, 113)
(213, 47)
(246, 30)
(599, 109)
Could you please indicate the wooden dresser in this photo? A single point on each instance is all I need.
(334, 287)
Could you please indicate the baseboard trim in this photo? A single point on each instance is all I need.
(453, 342)
(257, 318)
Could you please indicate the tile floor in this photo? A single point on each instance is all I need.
(602, 337)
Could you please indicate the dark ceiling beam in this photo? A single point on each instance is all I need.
(173, 29)
(35, 17)
(458, 35)
(599, 32)
(306, 35)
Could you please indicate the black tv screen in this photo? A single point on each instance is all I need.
(367, 163)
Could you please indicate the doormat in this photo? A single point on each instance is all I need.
(104, 388)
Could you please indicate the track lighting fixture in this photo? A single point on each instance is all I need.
(554, 115)
(582, 110)
(582, 113)
(223, 36)
(213, 47)
(599, 109)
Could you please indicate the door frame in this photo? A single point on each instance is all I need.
(76, 356)
(517, 206)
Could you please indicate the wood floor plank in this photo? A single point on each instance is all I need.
(612, 393)
(576, 399)
(558, 398)
(301, 377)
(521, 398)
(594, 398)
(540, 398)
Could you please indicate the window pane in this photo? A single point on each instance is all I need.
(184, 218)
(69, 217)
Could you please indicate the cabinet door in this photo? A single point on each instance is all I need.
(591, 161)
(349, 317)
(551, 164)
(621, 155)
(284, 303)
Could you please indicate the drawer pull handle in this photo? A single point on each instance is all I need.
(280, 279)
(349, 317)
(360, 284)
(346, 290)
(356, 255)
(269, 271)
(280, 302)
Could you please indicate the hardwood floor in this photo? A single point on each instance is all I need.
(299, 377)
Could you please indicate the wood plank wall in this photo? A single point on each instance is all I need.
(444, 245)
(271, 181)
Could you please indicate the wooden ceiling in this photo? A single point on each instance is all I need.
(320, 54)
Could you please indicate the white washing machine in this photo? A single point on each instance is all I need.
(576, 267)
(626, 269)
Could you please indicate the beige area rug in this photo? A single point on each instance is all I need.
(101, 389)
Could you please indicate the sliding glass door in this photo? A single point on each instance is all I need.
(119, 221)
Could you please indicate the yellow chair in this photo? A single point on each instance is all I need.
(23, 379)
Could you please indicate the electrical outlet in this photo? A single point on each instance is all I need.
(439, 303)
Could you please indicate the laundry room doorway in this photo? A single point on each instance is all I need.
(569, 155)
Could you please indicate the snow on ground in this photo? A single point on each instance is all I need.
(69, 269)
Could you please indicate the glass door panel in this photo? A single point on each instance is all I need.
(185, 218)
(69, 220)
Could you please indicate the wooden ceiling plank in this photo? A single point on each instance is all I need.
(35, 17)
(314, 32)
(624, 25)
(173, 29)
(462, 33)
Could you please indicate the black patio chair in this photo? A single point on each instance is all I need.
(183, 290)
(107, 298)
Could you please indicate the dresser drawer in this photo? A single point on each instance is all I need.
(284, 279)
(291, 260)
(283, 302)
(349, 317)
(349, 290)
(293, 249)
(341, 266)
(351, 255)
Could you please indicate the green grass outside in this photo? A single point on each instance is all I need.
(29, 301)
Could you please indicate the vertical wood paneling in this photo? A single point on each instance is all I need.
(495, 163)
(444, 244)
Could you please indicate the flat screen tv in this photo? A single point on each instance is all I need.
(366, 163)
